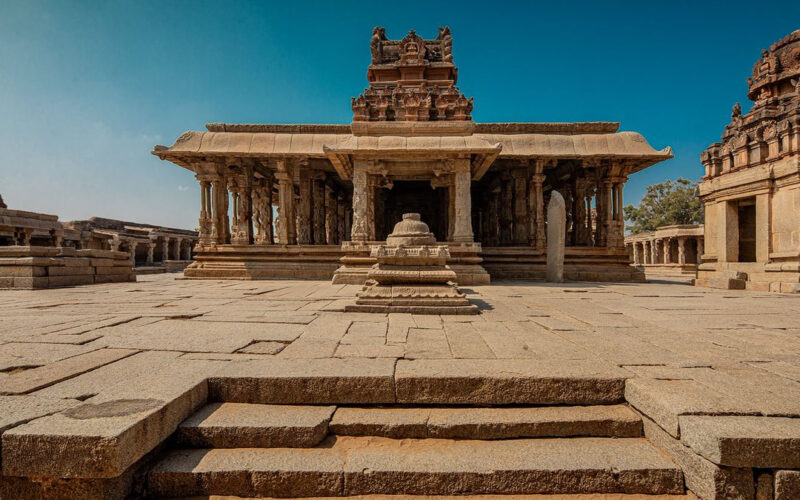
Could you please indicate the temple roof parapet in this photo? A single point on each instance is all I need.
(672, 231)
(764, 134)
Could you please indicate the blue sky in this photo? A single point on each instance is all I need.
(87, 88)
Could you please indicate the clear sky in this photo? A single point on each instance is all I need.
(87, 88)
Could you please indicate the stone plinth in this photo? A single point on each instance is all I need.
(411, 275)
(30, 267)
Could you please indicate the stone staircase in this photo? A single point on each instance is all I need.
(257, 448)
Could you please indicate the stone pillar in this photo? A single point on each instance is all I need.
(556, 237)
(653, 251)
(506, 212)
(607, 217)
(340, 218)
(681, 251)
(164, 249)
(219, 226)
(151, 246)
(451, 209)
(132, 251)
(579, 208)
(589, 230)
(304, 209)
(331, 217)
(493, 223)
(205, 222)
(462, 231)
(318, 208)
(521, 215)
(359, 230)
(536, 206)
(262, 211)
(729, 247)
(288, 235)
(636, 260)
(666, 249)
(763, 206)
(699, 250)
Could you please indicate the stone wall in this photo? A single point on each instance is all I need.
(31, 267)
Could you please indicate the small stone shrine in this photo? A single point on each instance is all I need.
(411, 275)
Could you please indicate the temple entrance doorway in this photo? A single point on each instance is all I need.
(747, 230)
(411, 197)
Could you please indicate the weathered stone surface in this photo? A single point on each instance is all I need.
(666, 400)
(507, 382)
(109, 432)
(319, 381)
(264, 348)
(743, 441)
(787, 484)
(279, 472)
(16, 410)
(487, 423)
(578, 465)
(37, 378)
(239, 425)
(94, 382)
(705, 479)
(556, 239)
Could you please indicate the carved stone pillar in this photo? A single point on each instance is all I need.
(359, 230)
(681, 251)
(318, 208)
(667, 245)
(132, 252)
(654, 251)
(521, 215)
(262, 210)
(288, 233)
(463, 202)
(536, 206)
(589, 240)
(493, 224)
(579, 212)
(219, 224)
(304, 208)
(241, 186)
(331, 216)
(635, 246)
(205, 223)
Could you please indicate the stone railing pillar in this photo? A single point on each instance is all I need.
(536, 206)
(463, 202)
(359, 230)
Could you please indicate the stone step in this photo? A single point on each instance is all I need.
(240, 425)
(440, 381)
(362, 466)
(589, 496)
(488, 423)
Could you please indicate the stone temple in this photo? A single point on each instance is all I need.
(750, 189)
(412, 147)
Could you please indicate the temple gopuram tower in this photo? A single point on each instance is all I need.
(751, 187)
(412, 147)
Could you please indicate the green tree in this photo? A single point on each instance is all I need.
(665, 204)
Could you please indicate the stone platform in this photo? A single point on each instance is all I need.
(665, 384)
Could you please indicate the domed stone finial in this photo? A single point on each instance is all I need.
(410, 231)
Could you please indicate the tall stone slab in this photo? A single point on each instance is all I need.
(556, 237)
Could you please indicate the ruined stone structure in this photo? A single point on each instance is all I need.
(669, 250)
(149, 247)
(412, 147)
(35, 253)
(751, 188)
(411, 275)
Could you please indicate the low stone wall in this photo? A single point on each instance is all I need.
(31, 267)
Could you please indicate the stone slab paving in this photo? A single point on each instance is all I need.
(674, 352)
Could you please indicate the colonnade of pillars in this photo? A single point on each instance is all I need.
(236, 207)
(513, 209)
(172, 248)
(686, 250)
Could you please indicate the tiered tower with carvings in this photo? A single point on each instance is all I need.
(412, 80)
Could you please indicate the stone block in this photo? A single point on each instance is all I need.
(22, 271)
(703, 478)
(43, 376)
(71, 280)
(787, 484)
(317, 381)
(16, 410)
(664, 401)
(508, 381)
(110, 432)
(744, 441)
(69, 270)
(238, 425)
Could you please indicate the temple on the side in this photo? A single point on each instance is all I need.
(412, 147)
(750, 190)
